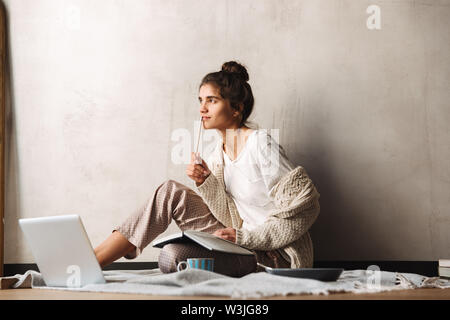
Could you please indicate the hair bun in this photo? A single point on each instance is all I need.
(236, 68)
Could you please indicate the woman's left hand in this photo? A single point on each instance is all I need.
(227, 234)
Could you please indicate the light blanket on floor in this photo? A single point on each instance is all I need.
(193, 282)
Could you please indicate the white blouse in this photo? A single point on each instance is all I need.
(250, 177)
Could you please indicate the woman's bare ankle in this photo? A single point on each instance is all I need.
(113, 248)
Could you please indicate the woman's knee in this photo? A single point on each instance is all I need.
(165, 185)
(169, 186)
(226, 264)
(170, 255)
(171, 183)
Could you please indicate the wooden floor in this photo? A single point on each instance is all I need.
(45, 294)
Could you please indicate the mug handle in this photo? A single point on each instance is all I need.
(180, 264)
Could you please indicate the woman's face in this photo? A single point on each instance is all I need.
(215, 110)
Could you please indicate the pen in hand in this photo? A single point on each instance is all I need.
(197, 170)
(198, 159)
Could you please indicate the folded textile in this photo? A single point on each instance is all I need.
(192, 282)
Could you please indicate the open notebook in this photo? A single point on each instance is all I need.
(204, 239)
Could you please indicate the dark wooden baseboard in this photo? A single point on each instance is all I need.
(426, 268)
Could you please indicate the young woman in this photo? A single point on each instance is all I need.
(239, 193)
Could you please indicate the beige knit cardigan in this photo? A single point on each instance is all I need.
(286, 228)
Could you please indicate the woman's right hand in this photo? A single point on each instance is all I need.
(197, 172)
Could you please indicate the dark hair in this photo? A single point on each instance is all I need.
(233, 85)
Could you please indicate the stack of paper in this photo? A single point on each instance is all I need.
(444, 268)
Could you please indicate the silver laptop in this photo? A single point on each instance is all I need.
(62, 251)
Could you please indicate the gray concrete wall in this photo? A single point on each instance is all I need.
(98, 88)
